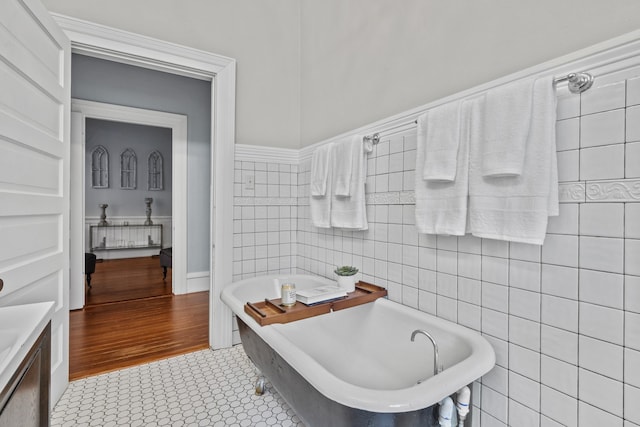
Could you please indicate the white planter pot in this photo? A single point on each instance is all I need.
(348, 283)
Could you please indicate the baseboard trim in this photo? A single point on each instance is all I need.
(198, 282)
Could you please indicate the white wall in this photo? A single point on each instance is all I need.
(308, 70)
(363, 60)
(265, 218)
(263, 36)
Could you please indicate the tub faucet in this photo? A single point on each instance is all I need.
(436, 366)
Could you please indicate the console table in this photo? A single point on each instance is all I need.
(133, 236)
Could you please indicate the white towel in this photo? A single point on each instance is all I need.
(506, 127)
(320, 170)
(516, 208)
(554, 201)
(441, 207)
(543, 130)
(440, 142)
(351, 211)
(344, 153)
(320, 205)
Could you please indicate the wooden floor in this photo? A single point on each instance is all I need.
(112, 335)
(127, 279)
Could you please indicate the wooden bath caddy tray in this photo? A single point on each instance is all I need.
(270, 311)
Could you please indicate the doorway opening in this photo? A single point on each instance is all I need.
(122, 322)
(123, 234)
(128, 221)
(109, 43)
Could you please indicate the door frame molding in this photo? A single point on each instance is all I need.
(118, 113)
(104, 42)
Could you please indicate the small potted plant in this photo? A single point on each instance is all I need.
(346, 277)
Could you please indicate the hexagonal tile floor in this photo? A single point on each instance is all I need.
(204, 388)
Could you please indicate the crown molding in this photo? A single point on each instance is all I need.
(600, 60)
(103, 42)
(257, 153)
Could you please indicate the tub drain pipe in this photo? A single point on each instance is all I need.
(446, 414)
(462, 404)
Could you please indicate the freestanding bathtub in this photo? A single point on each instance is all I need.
(358, 366)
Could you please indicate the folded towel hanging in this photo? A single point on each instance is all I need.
(516, 208)
(440, 137)
(320, 203)
(346, 152)
(320, 170)
(441, 207)
(351, 211)
(507, 120)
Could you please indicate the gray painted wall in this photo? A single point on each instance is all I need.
(143, 140)
(104, 81)
(309, 69)
(365, 60)
(263, 37)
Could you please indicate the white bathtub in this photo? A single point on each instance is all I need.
(362, 357)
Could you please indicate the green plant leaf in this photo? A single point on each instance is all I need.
(346, 270)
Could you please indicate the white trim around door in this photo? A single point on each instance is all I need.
(118, 113)
(121, 46)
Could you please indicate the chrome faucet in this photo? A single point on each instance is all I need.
(436, 366)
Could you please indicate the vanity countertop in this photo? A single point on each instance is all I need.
(20, 327)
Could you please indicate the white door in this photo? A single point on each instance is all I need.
(34, 169)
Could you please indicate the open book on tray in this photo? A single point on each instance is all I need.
(320, 294)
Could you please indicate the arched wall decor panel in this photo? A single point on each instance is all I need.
(155, 171)
(128, 169)
(100, 167)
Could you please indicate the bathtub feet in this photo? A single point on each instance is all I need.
(261, 382)
(260, 385)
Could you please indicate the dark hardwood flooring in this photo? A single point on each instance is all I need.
(116, 333)
(127, 279)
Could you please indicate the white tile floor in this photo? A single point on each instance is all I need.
(204, 388)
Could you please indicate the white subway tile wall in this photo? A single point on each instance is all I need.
(563, 318)
(265, 219)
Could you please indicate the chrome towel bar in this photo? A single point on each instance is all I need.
(577, 83)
